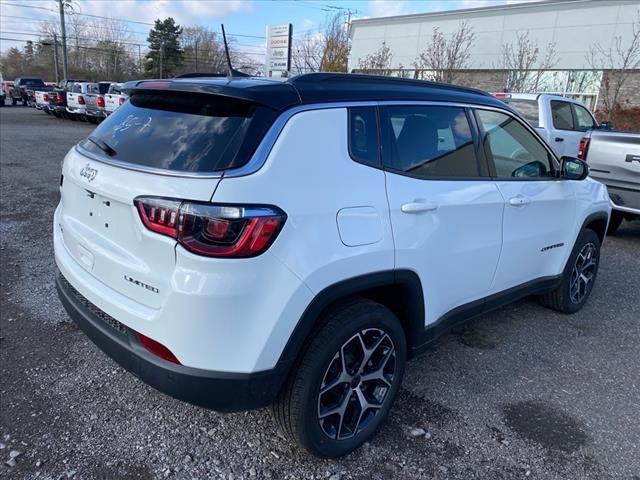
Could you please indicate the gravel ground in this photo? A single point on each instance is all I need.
(520, 393)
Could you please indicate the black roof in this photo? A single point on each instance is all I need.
(317, 88)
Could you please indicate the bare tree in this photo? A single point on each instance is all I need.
(444, 56)
(307, 53)
(526, 67)
(378, 62)
(619, 60)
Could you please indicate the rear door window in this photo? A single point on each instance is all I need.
(527, 108)
(181, 133)
(428, 142)
(363, 136)
(561, 114)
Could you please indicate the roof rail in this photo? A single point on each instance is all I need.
(354, 78)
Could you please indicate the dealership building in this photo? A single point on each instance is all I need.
(570, 27)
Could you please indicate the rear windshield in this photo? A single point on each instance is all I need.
(180, 133)
(115, 88)
(527, 108)
(32, 82)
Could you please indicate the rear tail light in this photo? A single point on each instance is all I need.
(583, 148)
(45, 98)
(100, 102)
(59, 99)
(157, 349)
(223, 231)
(121, 100)
(81, 100)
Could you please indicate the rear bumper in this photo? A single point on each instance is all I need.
(220, 391)
(624, 199)
(96, 113)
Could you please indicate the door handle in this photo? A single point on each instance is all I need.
(519, 201)
(559, 139)
(418, 207)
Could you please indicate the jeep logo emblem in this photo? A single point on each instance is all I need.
(88, 172)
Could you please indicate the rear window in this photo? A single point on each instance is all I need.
(528, 109)
(115, 88)
(32, 82)
(180, 133)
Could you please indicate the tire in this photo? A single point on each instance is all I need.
(24, 102)
(614, 222)
(343, 333)
(14, 102)
(583, 263)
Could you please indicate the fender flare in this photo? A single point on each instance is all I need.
(412, 319)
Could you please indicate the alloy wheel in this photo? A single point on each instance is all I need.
(583, 273)
(356, 383)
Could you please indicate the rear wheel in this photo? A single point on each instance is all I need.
(347, 380)
(14, 102)
(578, 277)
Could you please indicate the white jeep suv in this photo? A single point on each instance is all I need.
(243, 242)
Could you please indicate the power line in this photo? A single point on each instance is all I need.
(121, 19)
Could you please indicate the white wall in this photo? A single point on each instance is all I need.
(573, 25)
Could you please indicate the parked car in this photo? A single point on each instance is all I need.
(58, 98)
(95, 103)
(3, 94)
(614, 159)
(20, 86)
(561, 121)
(32, 94)
(114, 98)
(76, 104)
(42, 101)
(242, 242)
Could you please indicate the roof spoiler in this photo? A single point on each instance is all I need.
(237, 88)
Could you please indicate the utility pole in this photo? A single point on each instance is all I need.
(196, 55)
(65, 70)
(55, 56)
(139, 59)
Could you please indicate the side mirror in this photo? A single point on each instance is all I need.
(606, 125)
(574, 169)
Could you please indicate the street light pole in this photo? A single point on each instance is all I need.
(64, 40)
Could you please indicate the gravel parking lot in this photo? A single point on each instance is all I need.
(520, 393)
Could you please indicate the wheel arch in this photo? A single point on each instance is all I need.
(598, 223)
(399, 290)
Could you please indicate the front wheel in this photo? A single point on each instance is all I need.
(344, 385)
(578, 277)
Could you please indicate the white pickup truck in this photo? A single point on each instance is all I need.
(561, 121)
(42, 101)
(114, 98)
(614, 159)
(76, 105)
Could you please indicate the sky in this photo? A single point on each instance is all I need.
(245, 19)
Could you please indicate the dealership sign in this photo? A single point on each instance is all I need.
(278, 48)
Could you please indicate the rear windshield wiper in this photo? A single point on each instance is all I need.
(102, 145)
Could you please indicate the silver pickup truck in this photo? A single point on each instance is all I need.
(614, 159)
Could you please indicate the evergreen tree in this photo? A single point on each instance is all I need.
(165, 53)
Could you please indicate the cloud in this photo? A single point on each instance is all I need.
(388, 8)
(185, 12)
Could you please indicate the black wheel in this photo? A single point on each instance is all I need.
(24, 102)
(614, 222)
(578, 277)
(346, 381)
(14, 102)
